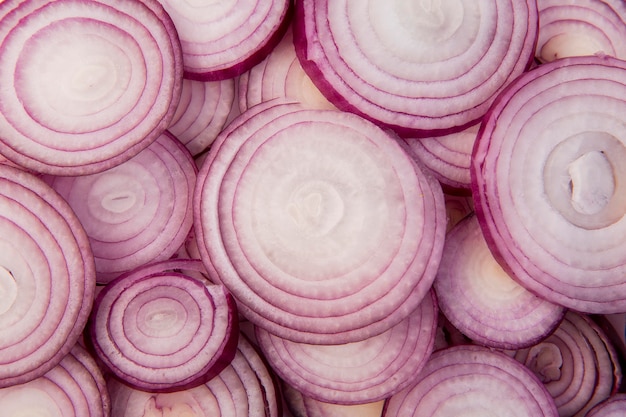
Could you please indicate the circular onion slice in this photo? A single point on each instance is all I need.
(318, 222)
(47, 277)
(137, 212)
(482, 300)
(74, 387)
(87, 83)
(163, 331)
(611, 407)
(548, 182)
(222, 39)
(360, 372)
(472, 381)
(582, 27)
(421, 67)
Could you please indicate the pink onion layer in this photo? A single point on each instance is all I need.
(549, 182)
(318, 222)
(87, 83)
(47, 277)
(611, 407)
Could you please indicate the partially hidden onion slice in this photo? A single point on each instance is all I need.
(74, 387)
(137, 212)
(47, 277)
(163, 331)
(473, 381)
(422, 68)
(360, 372)
(611, 407)
(87, 83)
(548, 182)
(222, 39)
(318, 222)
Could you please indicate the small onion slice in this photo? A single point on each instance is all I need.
(164, 331)
(318, 222)
(87, 83)
(472, 381)
(47, 277)
(549, 182)
(422, 68)
(615, 406)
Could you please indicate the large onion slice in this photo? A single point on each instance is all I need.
(419, 67)
(318, 222)
(47, 277)
(611, 407)
(549, 178)
(86, 84)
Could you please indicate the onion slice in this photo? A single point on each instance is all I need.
(318, 222)
(548, 180)
(47, 277)
(87, 83)
(611, 407)
(422, 68)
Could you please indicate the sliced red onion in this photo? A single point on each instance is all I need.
(582, 27)
(137, 212)
(360, 372)
(318, 222)
(221, 39)
(164, 331)
(280, 75)
(315, 408)
(421, 68)
(548, 181)
(74, 387)
(457, 207)
(611, 407)
(47, 277)
(482, 300)
(87, 83)
(577, 364)
(472, 381)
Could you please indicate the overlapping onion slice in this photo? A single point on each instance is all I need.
(86, 84)
(137, 212)
(549, 178)
(318, 222)
(360, 372)
(47, 277)
(472, 381)
(222, 39)
(579, 28)
(163, 331)
(611, 407)
(421, 67)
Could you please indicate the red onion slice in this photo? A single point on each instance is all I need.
(137, 212)
(88, 83)
(221, 40)
(315, 408)
(472, 380)
(318, 222)
(164, 331)
(47, 277)
(485, 302)
(611, 407)
(420, 68)
(548, 181)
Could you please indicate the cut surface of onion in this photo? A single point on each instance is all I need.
(318, 222)
(611, 407)
(580, 28)
(472, 381)
(482, 300)
(420, 68)
(47, 277)
(548, 182)
(360, 372)
(88, 83)
(315, 408)
(137, 212)
(222, 39)
(164, 331)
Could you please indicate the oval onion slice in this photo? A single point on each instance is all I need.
(318, 222)
(611, 407)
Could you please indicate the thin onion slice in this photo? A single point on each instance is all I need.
(422, 68)
(548, 182)
(611, 407)
(87, 83)
(47, 277)
(318, 222)
(472, 380)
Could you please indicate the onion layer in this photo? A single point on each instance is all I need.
(611, 407)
